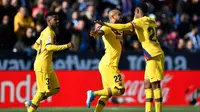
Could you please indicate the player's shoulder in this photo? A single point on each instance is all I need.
(48, 31)
(105, 29)
(148, 19)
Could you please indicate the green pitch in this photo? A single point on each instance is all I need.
(110, 109)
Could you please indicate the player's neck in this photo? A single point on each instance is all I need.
(51, 28)
(112, 21)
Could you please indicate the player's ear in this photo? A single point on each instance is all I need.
(113, 16)
(137, 10)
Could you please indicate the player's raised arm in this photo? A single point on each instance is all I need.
(123, 27)
(50, 43)
(53, 22)
(51, 47)
(97, 32)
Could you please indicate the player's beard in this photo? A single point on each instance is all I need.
(119, 20)
(54, 27)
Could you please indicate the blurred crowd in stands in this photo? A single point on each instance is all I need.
(23, 20)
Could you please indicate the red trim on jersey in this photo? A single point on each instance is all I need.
(132, 25)
(37, 43)
(109, 92)
(146, 57)
(146, 54)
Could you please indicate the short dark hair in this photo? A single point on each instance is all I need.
(51, 14)
(143, 6)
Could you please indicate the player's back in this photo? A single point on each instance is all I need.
(113, 46)
(145, 29)
(43, 61)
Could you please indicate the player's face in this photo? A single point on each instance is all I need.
(118, 17)
(54, 22)
(138, 12)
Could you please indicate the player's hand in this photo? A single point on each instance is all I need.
(94, 33)
(99, 22)
(70, 45)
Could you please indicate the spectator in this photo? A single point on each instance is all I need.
(195, 7)
(161, 35)
(136, 46)
(189, 46)
(21, 22)
(84, 43)
(126, 7)
(114, 2)
(7, 38)
(183, 6)
(90, 15)
(56, 6)
(76, 39)
(15, 4)
(7, 9)
(39, 11)
(28, 40)
(25, 43)
(66, 13)
(194, 37)
(39, 27)
(82, 5)
(171, 41)
(184, 25)
(173, 21)
(75, 17)
(181, 45)
(105, 15)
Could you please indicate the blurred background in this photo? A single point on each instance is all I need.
(21, 22)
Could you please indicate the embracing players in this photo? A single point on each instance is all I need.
(47, 81)
(113, 84)
(145, 29)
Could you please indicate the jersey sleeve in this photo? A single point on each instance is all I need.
(49, 38)
(50, 45)
(105, 30)
(138, 23)
(127, 26)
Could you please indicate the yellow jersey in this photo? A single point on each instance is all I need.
(45, 47)
(145, 29)
(113, 46)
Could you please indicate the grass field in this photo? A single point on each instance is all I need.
(113, 109)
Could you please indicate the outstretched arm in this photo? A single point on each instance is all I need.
(123, 27)
(51, 47)
(99, 31)
(96, 33)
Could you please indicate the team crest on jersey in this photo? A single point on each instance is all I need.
(49, 39)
